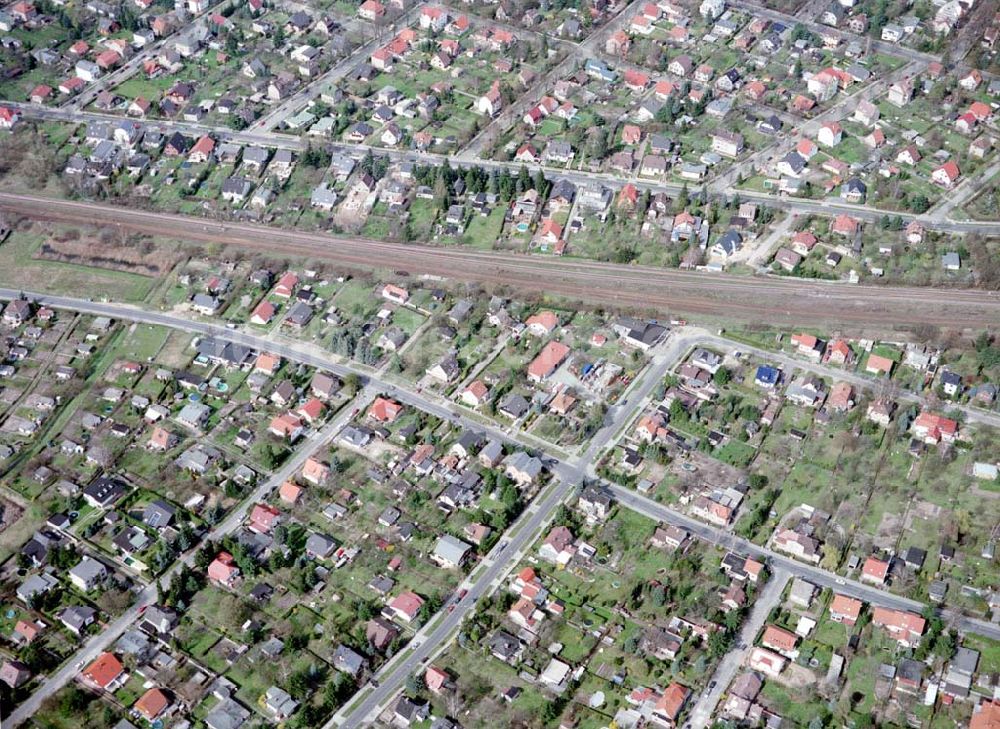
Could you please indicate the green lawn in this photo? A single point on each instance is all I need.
(20, 270)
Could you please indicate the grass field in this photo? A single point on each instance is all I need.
(19, 270)
(144, 341)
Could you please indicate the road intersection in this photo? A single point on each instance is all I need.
(568, 473)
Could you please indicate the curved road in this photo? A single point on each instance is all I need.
(771, 299)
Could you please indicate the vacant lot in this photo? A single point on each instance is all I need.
(19, 268)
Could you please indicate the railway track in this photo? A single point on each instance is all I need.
(621, 286)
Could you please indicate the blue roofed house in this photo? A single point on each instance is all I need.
(599, 69)
(767, 377)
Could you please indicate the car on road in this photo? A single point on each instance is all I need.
(840, 581)
(461, 595)
(502, 547)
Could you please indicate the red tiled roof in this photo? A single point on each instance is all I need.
(105, 669)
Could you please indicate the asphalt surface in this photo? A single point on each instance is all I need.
(499, 561)
(816, 575)
(106, 638)
(767, 598)
(568, 473)
(277, 140)
(740, 298)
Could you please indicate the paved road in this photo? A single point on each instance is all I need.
(277, 116)
(567, 476)
(106, 638)
(768, 597)
(867, 382)
(816, 575)
(590, 46)
(276, 140)
(567, 473)
(498, 562)
(740, 298)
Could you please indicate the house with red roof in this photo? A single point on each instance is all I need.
(641, 25)
(162, 439)
(8, 117)
(933, 428)
(874, 140)
(223, 569)
(806, 149)
(286, 285)
(23, 11)
(664, 89)
(267, 363)
(491, 102)
(395, 294)
(767, 662)
(39, 94)
(406, 606)
(986, 715)
(106, 673)
(371, 10)
(263, 313)
(808, 345)
(263, 518)
(845, 225)
(315, 471)
(152, 704)
(631, 134)
(382, 59)
(108, 59)
(781, 641)
(202, 150)
(669, 706)
(459, 26)
(542, 324)
(312, 410)
(72, 86)
(981, 111)
(475, 394)
(287, 426)
(947, 174)
(874, 571)
(879, 365)
(26, 631)
(384, 410)
(437, 680)
(844, 609)
(548, 360)
(433, 17)
(550, 232)
(966, 123)
(830, 134)
(533, 117)
(558, 546)
(289, 492)
(628, 196)
(635, 81)
(526, 153)
(905, 627)
(803, 242)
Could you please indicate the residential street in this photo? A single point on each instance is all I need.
(568, 474)
(104, 639)
(766, 600)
